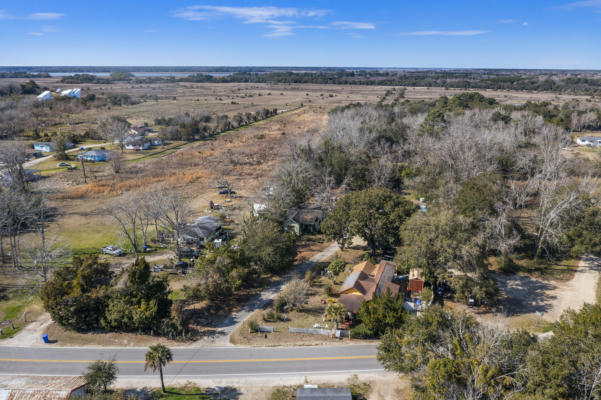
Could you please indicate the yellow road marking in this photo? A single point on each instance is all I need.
(251, 360)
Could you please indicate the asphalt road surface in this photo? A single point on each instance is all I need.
(205, 362)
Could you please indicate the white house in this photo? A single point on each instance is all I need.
(137, 143)
(45, 96)
(46, 147)
(591, 141)
(72, 93)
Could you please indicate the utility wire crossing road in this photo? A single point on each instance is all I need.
(189, 362)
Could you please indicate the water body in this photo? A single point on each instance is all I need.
(143, 74)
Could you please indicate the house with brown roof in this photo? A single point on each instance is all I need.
(16, 387)
(366, 281)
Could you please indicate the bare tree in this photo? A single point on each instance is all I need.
(115, 161)
(324, 193)
(500, 231)
(295, 293)
(126, 211)
(17, 214)
(114, 130)
(175, 212)
(558, 196)
(12, 158)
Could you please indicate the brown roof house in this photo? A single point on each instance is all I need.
(365, 281)
(42, 387)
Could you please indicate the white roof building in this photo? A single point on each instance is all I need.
(72, 93)
(45, 95)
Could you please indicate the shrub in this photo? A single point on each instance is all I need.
(382, 313)
(268, 315)
(327, 289)
(361, 332)
(426, 294)
(309, 276)
(100, 375)
(253, 326)
(336, 267)
(279, 304)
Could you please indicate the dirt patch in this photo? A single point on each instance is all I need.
(532, 303)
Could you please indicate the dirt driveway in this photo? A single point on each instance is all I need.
(533, 302)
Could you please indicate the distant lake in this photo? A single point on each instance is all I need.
(143, 74)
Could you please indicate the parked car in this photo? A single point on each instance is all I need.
(225, 191)
(63, 164)
(113, 251)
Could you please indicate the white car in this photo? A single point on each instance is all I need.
(112, 251)
(63, 164)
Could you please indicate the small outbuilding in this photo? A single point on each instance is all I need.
(46, 95)
(76, 93)
(42, 387)
(311, 393)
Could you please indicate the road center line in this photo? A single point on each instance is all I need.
(250, 360)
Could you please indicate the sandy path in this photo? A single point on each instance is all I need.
(31, 335)
(230, 324)
(581, 289)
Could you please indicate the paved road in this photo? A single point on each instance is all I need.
(217, 362)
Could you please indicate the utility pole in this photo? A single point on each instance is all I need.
(83, 169)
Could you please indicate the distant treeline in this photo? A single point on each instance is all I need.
(451, 79)
(24, 74)
(576, 82)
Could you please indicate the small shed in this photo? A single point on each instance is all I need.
(311, 393)
(42, 387)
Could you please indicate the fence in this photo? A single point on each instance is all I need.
(324, 332)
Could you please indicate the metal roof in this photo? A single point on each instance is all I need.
(39, 387)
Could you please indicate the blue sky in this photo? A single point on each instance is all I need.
(395, 33)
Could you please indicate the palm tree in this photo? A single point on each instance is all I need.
(156, 358)
(335, 311)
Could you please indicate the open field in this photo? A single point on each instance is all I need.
(246, 157)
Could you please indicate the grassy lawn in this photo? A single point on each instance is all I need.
(559, 270)
(13, 306)
(86, 238)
